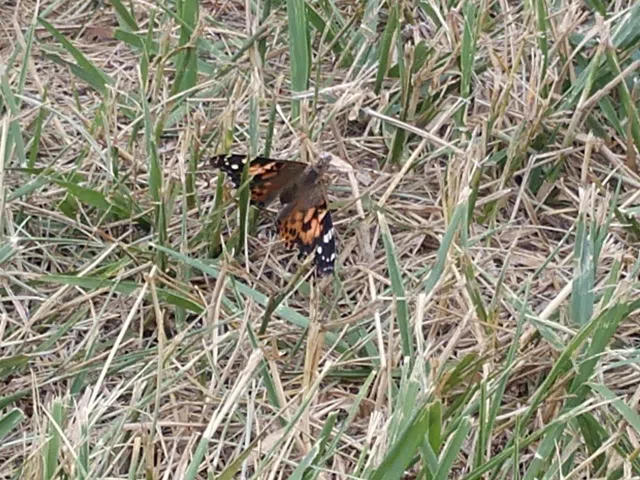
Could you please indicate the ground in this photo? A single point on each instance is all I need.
(481, 321)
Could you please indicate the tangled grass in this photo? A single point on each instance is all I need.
(482, 319)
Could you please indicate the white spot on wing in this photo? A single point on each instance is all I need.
(235, 166)
(319, 249)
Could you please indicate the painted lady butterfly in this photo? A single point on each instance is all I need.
(304, 220)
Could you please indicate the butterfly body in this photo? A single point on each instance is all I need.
(304, 220)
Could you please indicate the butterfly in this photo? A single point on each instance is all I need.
(304, 219)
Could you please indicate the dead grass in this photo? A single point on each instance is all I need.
(486, 284)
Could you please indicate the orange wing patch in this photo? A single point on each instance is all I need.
(312, 226)
(290, 228)
(265, 170)
(311, 230)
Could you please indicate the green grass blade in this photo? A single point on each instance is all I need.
(353, 411)
(543, 44)
(155, 169)
(187, 63)
(458, 220)
(630, 415)
(452, 449)
(126, 19)
(9, 421)
(37, 135)
(467, 55)
(325, 435)
(403, 450)
(14, 141)
(625, 34)
(125, 287)
(93, 198)
(305, 463)
(91, 74)
(262, 43)
(385, 47)
(7, 250)
(630, 107)
(27, 54)
(244, 211)
(402, 313)
(299, 50)
(52, 449)
(582, 295)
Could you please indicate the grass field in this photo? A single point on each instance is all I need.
(482, 320)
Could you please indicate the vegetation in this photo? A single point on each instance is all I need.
(482, 321)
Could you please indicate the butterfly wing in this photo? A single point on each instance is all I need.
(268, 177)
(305, 221)
(308, 226)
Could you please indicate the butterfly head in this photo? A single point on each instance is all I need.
(323, 163)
